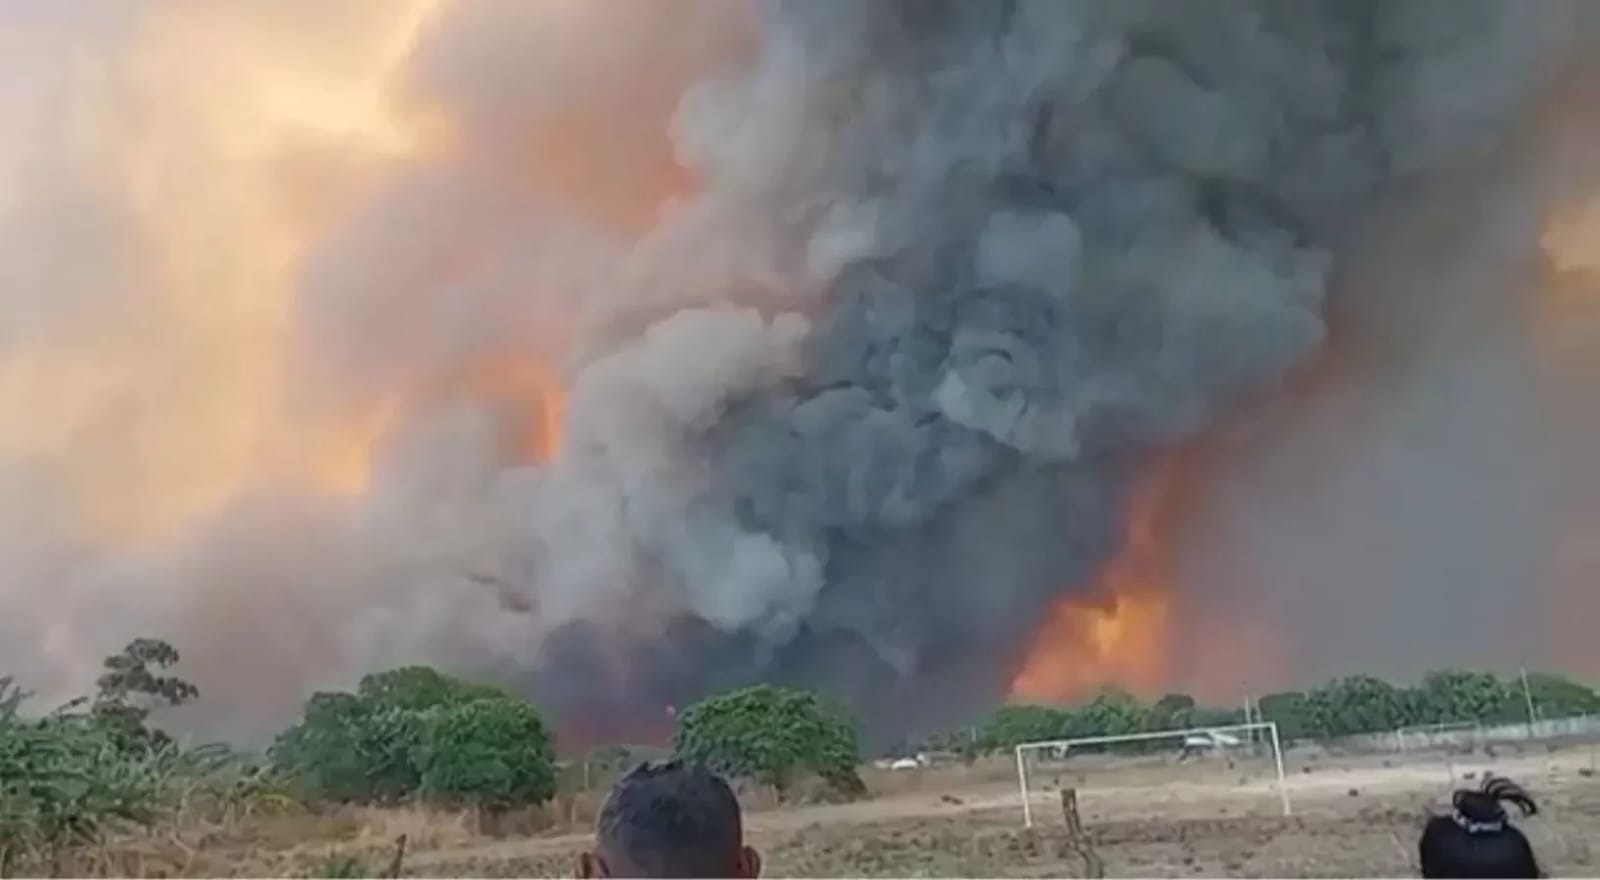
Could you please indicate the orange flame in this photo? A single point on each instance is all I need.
(1118, 634)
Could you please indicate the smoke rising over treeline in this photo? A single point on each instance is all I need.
(622, 350)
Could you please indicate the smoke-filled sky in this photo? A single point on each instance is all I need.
(621, 350)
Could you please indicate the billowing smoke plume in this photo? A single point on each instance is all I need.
(851, 386)
(1429, 484)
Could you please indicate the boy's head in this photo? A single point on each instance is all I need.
(670, 820)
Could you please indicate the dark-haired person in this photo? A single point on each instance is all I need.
(1477, 839)
(670, 820)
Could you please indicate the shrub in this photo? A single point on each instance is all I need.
(67, 780)
(772, 735)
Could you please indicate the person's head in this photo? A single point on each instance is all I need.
(1477, 838)
(670, 820)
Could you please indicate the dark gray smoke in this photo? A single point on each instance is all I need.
(1049, 237)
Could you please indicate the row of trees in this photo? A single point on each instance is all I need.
(1342, 707)
(95, 767)
(1363, 704)
(416, 734)
(1112, 712)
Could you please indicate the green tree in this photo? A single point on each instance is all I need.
(1170, 712)
(1012, 725)
(131, 687)
(130, 674)
(772, 735)
(1112, 712)
(489, 753)
(1357, 704)
(1455, 695)
(1555, 696)
(354, 750)
(369, 746)
(1290, 711)
(417, 688)
(323, 751)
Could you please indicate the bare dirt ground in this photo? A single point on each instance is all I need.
(1145, 817)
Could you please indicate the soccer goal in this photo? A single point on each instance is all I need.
(1234, 739)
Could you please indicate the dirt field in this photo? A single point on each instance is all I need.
(1148, 817)
(1352, 817)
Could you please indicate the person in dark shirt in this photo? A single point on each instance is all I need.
(1476, 838)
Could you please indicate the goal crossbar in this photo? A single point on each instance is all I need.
(1269, 727)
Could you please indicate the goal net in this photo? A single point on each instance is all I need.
(1171, 754)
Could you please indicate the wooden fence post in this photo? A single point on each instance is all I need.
(398, 861)
(1077, 839)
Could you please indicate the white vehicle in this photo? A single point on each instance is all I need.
(909, 763)
(1210, 739)
(1205, 741)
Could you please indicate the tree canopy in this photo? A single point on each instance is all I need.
(772, 735)
(385, 742)
(491, 753)
(131, 687)
(1342, 707)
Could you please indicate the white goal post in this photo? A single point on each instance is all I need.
(1219, 736)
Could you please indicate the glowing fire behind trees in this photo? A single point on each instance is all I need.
(1118, 631)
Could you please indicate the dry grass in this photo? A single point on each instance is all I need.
(1143, 820)
(423, 829)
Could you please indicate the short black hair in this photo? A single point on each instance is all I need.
(1477, 838)
(671, 819)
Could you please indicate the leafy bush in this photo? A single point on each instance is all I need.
(772, 735)
(65, 783)
(92, 766)
(69, 780)
(492, 753)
